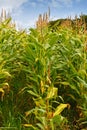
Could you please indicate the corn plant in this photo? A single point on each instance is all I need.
(71, 68)
(38, 60)
(11, 46)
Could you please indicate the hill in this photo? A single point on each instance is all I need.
(78, 23)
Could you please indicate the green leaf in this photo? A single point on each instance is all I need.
(83, 82)
(64, 83)
(32, 93)
(40, 126)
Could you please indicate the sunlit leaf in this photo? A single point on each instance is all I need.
(52, 92)
(59, 109)
(27, 125)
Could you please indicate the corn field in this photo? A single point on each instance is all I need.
(43, 78)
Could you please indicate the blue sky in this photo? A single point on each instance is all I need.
(26, 12)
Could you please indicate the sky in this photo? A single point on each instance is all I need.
(25, 12)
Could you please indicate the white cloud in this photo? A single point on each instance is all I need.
(55, 3)
(11, 4)
(60, 3)
(33, 4)
(27, 24)
(67, 1)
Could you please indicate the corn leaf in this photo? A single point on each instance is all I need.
(59, 109)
